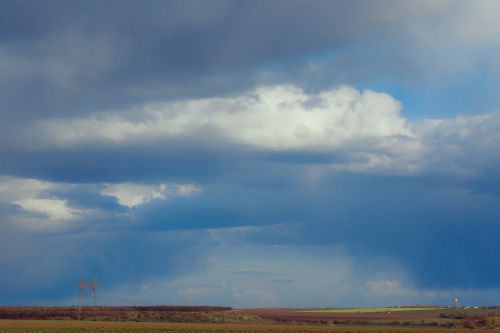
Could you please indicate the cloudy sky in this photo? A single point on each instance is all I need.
(250, 153)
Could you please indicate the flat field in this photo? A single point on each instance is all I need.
(371, 310)
(59, 326)
(428, 317)
(227, 320)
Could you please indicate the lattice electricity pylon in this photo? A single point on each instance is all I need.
(92, 286)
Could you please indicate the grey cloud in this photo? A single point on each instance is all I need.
(80, 57)
(88, 197)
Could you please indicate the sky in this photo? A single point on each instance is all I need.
(250, 153)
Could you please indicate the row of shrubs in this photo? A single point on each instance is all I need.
(162, 313)
(482, 322)
(467, 320)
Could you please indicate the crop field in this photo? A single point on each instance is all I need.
(343, 315)
(428, 317)
(216, 319)
(51, 326)
(370, 310)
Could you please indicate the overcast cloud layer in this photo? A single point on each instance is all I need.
(226, 152)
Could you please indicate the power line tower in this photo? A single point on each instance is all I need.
(83, 285)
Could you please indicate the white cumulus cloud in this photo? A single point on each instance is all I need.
(29, 195)
(131, 194)
(278, 117)
(365, 128)
(43, 204)
(270, 118)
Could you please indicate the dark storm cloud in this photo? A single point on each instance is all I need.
(441, 234)
(444, 236)
(87, 56)
(87, 197)
(437, 233)
(176, 160)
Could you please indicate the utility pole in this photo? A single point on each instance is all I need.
(93, 285)
(82, 286)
